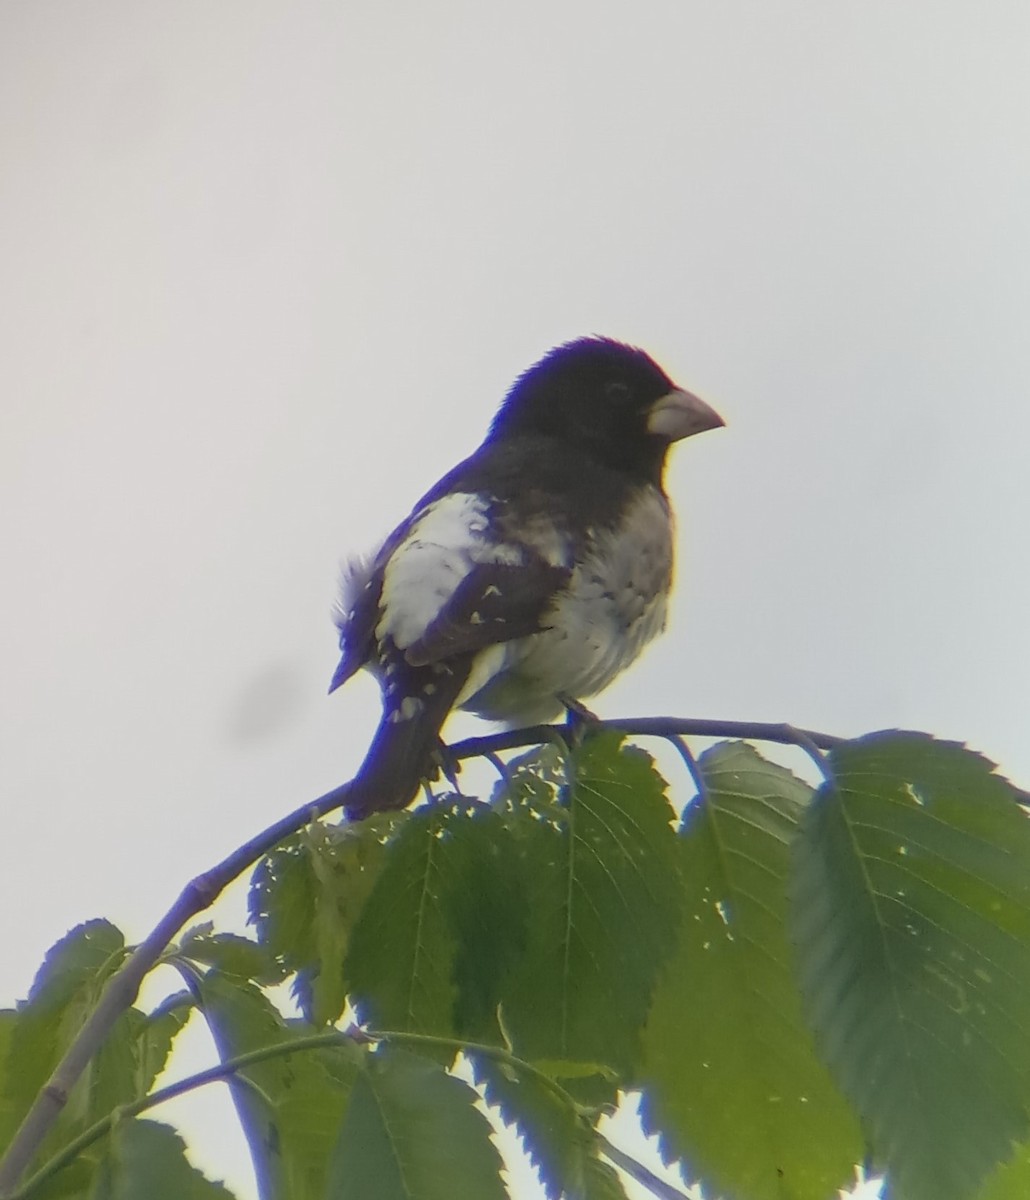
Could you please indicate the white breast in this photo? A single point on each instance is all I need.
(614, 605)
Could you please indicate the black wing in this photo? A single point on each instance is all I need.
(534, 488)
(495, 602)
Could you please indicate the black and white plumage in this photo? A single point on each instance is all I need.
(531, 574)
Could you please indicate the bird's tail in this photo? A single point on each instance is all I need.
(404, 745)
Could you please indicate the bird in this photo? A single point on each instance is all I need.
(530, 575)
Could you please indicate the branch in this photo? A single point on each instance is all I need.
(121, 991)
(202, 892)
(660, 727)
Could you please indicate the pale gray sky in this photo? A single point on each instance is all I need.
(266, 268)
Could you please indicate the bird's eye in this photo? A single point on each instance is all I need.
(617, 392)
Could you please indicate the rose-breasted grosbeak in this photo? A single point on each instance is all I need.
(532, 573)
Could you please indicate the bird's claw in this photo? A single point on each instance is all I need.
(579, 721)
(444, 763)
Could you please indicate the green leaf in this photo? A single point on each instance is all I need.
(443, 927)
(33, 1040)
(485, 907)
(13, 1104)
(401, 961)
(65, 992)
(911, 910)
(230, 953)
(290, 1107)
(77, 966)
(532, 779)
(413, 1132)
(601, 881)
(147, 1159)
(558, 1140)
(1011, 1181)
(306, 897)
(154, 1044)
(74, 1181)
(600, 1182)
(122, 1069)
(726, 1046)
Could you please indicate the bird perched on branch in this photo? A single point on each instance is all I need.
(531, 574)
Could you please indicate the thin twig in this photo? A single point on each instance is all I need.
(500, 766)
(690, 762)
(229, 1072)
(807, 743)
(472, 1050)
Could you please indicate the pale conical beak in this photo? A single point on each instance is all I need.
(680, 414)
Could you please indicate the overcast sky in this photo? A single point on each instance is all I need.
(266, 269)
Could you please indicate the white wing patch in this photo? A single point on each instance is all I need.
(447, 539)
(612, 606)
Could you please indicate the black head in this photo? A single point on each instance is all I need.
(609, 399)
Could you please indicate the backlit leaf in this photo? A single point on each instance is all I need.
(306, 897)
(290, 1107)
(912, 916)
(731, 1082)
(444, 925)
(604, 895)
(413, 1132)
(147, 1159)
(558, 1140)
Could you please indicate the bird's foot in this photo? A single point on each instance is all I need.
(444, 763)
(580, 722)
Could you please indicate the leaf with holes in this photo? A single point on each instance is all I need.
(306, 897)
(230, 953)
(727, 1048)
(911, 911)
